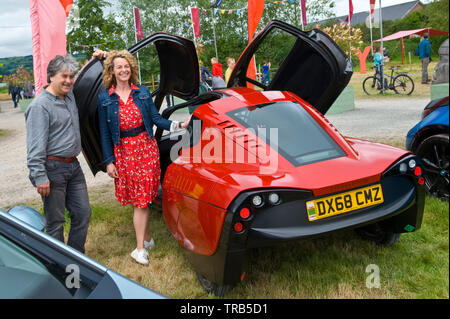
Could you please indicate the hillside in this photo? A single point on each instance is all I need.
(11, 64)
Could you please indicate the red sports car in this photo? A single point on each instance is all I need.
(260, 165)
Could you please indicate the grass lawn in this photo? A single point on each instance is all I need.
(415, 71)
(333, 266)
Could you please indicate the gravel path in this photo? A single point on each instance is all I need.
(385, 119)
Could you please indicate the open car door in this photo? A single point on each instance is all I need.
(179, 76)
(309, 64)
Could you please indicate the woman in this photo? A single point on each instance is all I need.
(126, 117)
(378, 60)
(230, 63)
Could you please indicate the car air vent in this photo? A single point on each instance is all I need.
(235, 130)
(224, 122)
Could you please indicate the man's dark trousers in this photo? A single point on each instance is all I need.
(14, 98)
(67, 190)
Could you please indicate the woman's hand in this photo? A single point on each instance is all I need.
(99, 54)
(185, 124)
(112, 170)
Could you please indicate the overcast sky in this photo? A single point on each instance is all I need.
(15, 26)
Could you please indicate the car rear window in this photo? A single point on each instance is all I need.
(300, 139)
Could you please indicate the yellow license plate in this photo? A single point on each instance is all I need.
(344, 202)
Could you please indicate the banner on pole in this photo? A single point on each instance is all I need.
(137, 23)
(372, 7)
(303, 6)
(196, 21)
(48, 29)
(255, 11)
(350, 12)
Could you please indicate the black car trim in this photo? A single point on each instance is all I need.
(319, 42)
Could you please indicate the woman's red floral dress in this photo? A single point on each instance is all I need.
(137, 159)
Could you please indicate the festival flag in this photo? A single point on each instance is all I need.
(303, 6)
(350, 12)
(138, 25)
(255, 11)
(48, 29)
(372, 7)
(196, 21)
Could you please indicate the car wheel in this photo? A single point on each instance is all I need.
(434, 153)
(378, 234)
(213, 288)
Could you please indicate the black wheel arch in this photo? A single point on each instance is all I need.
(426, 132)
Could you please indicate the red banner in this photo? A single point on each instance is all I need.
(255, 11)
(196, 21)
(303, 6)
(372, 7)
(137, 23)
(350, 11)
(48, 32)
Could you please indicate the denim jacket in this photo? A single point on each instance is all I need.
(108, 115)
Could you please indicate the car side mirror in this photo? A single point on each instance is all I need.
(29, 216)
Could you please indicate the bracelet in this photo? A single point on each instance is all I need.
(179, 125)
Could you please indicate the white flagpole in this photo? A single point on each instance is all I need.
(382, 55)
(135, 38)
(214, 32)
(371, 38)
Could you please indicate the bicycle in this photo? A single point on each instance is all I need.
(401, 83)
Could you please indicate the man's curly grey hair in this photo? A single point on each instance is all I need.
(61, 63)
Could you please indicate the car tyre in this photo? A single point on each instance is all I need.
(213, 288)
(434, 153)
(378, 234)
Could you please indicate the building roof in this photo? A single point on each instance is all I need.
(392, 13)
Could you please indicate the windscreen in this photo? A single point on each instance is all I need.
(299, 138)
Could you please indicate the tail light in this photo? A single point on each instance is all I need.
(421, 181)
(244, 213)
(418, 171)
(238, 227)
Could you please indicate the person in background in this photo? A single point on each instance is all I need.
(266, 73)
(424, 55)
(230, 63)
(216, 68)
(217, 80)
(126, 117)
(205, 74)
(386, 56)
(378, 61)
(53, 143)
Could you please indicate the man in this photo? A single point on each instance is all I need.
(12, 90)
(266, 74)
(53, 142)
(424, 55)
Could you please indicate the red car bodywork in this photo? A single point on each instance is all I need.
(196, 195)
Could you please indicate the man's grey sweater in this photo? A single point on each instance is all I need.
(53, 128)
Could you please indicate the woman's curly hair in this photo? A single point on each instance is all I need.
(108, 65)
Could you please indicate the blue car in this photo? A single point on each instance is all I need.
(429, 140)
(35, 265)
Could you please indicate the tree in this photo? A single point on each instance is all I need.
(90, 29)
(347, 37)
(229, 23)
